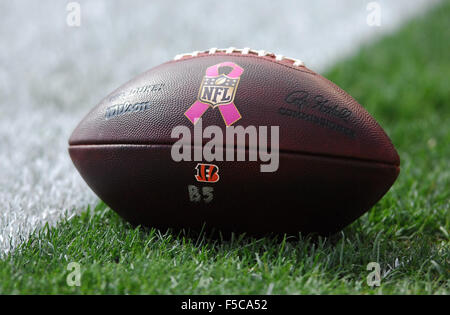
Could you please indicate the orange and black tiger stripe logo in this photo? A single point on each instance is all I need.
(208, 173)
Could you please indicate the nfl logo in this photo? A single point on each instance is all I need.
(218, 90)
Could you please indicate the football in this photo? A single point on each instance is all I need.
(235, 140)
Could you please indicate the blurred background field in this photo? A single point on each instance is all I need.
(52, 74)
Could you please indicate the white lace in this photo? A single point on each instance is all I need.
(245, 51)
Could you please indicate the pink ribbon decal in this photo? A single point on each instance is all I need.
(217, 91)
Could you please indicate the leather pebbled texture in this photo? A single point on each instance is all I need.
(262, 90)
(336, 162)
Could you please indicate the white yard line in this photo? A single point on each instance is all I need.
(51, 74)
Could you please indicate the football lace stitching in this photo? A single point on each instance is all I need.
(244, 51)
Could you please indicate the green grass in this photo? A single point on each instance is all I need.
(403, 80)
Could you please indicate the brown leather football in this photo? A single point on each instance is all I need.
(235, 140)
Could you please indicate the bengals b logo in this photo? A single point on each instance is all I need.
(208, 173)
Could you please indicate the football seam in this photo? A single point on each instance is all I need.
(330, 156)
